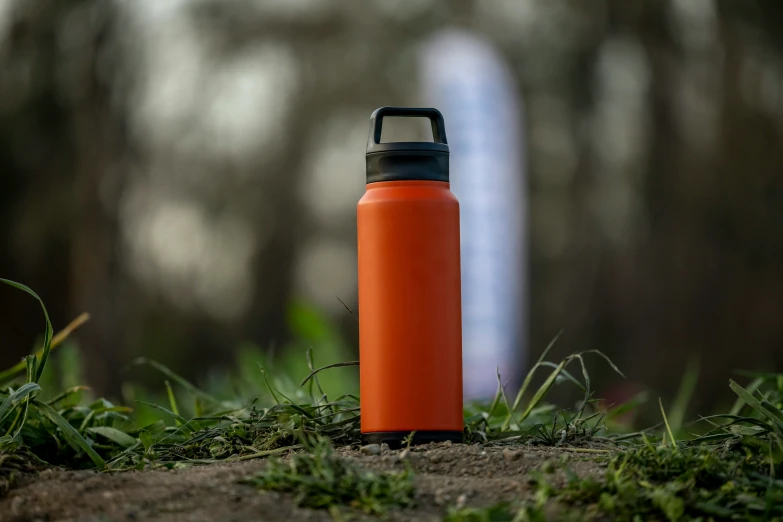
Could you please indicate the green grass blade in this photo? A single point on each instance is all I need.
(31, 361)
(48, 332)
(313, 373)
(585, 375)
(114, 435)
(314, 381)
(172, 400)
(754, 403)
(737, 419)
(73, 437)
(750, 388)
(608, 360)
(16, 397)
(529, 378)
(504, 398)
(585, 387)
(22, 418)
(495, 401)
(713, 439)
(567, 375)
(543, 390)
(268, 386)
(773, 411)
(666, 422)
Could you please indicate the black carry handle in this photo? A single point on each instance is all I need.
(376, 123)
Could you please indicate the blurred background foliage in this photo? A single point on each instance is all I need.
(187, 172)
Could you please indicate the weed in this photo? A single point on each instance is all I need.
(731, 472)
(534, 421)
(319, 479)
(538, 511)
(665, 483)
(501, 512)
(27, 422)
(63, 431)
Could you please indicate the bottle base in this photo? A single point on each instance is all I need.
(397, 439)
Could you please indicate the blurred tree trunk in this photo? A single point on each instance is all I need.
(709, 279)
(60, 135)
(100, 140)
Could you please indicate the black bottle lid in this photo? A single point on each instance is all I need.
(409, 160)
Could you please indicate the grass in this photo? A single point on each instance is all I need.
(65, 430)
(62, 430)
(501, 512)
(724, 466)
(664, 483)
(532, 420)
(319, 479)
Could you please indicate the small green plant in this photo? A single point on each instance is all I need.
(26, 421)
(731, 472)
(669, 483)
(517, 512)
(501, 512)
(530, 417)
(319, 479)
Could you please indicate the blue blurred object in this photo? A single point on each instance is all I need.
(467, 79)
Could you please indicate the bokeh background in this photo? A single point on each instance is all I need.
(187, 172)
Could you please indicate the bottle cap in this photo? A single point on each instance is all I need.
(426, 161)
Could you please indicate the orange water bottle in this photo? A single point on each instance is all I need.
(410, 314)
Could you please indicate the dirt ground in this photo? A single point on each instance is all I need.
(445, 475)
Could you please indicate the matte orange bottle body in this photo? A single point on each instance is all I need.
(410, 324)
